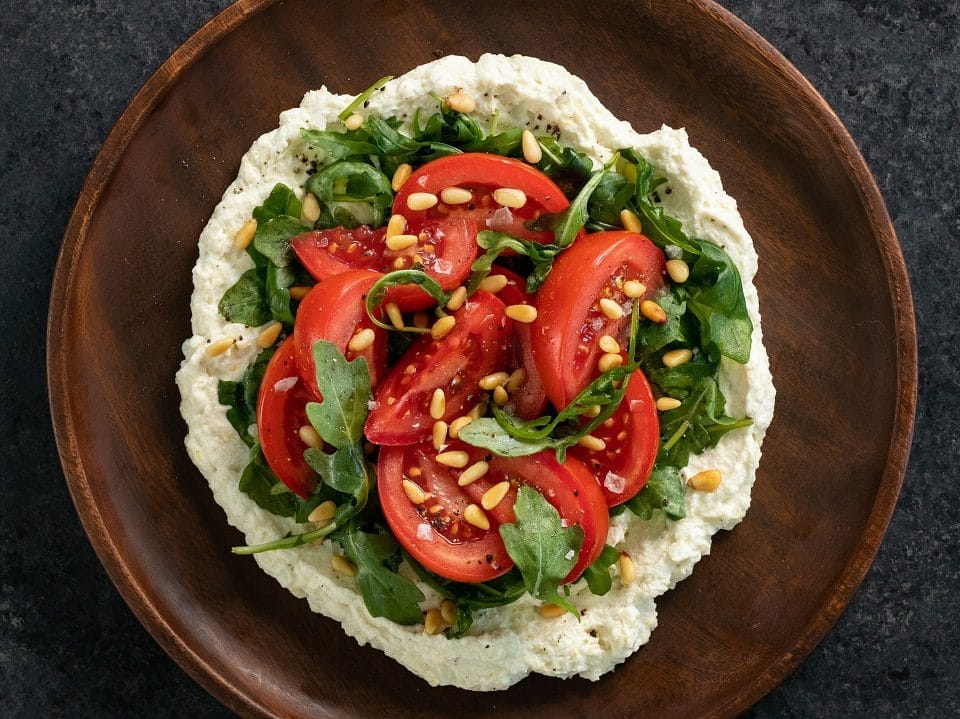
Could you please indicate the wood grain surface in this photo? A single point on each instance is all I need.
(838, 324)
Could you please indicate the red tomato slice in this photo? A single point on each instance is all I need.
(434, 530)
(632, 437)
(569, 319)
(529, 400)
(334, 311)
(478, 345)
(281, 412)
(481, 174)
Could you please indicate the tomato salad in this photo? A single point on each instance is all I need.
(477, 349)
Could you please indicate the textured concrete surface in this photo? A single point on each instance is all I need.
(68, 644)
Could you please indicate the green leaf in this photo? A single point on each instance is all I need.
(345, 388)
(564, 165)
(245, 301)
(388, 140)
(487, 433)
(609, 198)
(597, 575)
(568, 223)
(273, 239)
(346, 181)
(716, 298)
(340, 470)
(340, 145)
(277, 288)
(678, 329)
(258, 482)
(663, 491)
(542, 255)
(378, 292)
(281, 202)
(363, 97)
(543, 550)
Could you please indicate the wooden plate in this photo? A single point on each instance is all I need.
(838, 321)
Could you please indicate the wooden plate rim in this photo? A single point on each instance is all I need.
(111, 555)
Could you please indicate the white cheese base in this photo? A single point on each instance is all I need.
(507, 643)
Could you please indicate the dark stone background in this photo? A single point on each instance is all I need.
(68, 644)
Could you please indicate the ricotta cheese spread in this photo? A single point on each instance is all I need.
(507, 643)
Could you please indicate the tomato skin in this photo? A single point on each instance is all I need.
(568, 315)
(449, 546)
(334, 310)
(630, 459)
(478, 345)
(281, 411)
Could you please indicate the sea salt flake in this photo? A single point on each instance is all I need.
(372, 404)
(614, 482)
(286, 384)
(425, 532)
(569, 555)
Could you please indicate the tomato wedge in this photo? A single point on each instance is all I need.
(334, 310)
(478, 345)
(281, 412)
(564, 337)
(632, 437)
(435, 532)
(481, 174)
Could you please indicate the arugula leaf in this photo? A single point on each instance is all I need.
(543, 550)
(569, 222)
(609, 198)
(495, 243)
(363, 97)
(597, 575)
(346, 181)
(378, 291)
(340, 145)
(718, 302)
(663, 491)
(245, 301)
(678, 329)
(279, 203)
(487, 433)
(345, 388)
(388, 140)
(564, 165)
(259, 483)
(273, 239)
(241, 397)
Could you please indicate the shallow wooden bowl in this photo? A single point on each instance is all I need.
(838, 323)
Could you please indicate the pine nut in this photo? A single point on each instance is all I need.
(442, 327)
(457, 298)
(665, 404)
(493, 283)
(653, 312)
(521, 313)
(609, 344)
(432, 622)
(414, 492)
(310, 209)
(678, 270)
(610, 308)
(592, 412)
(245, 234)
(705, 481)
(472, 473)
(353, 122)
(628, 572)
(630, 221)
(675, 358)
(634, 289)
(532, 152)
(393, 312)
(500, 396)
(268, 336)
(421, 320)
(439, 434)
(396, 225)
(323, 513)
(551, 611)
(492, 381)
(455, 195)
(448, 610)
(594, 444)
(299, 293)
(475, 516)
(401, 242)
(480, 408)
(608, 361)
(361, 340)
(510, 197)
(342, 565)
(516, 379)
(220, 346)
(438, 404)
(309, 436)
(493, 496)
(418, 201)
(400, 176)
(456, 458)
(461, 102)
(458, 424)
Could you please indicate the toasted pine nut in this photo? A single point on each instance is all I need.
(493, 496)
(396, 225)
(400, 176)
(323, 512)
(610, 308)
(217, 348)
(510, 197)
(475, 516)
(675, 358)
(393, 312)
(594, 444)
(421, 320)
(630, 221)
(494, 380)
(457, 298)
(705, 481)
(448, 610)
(245, 234)
(665, 404)
(268, 336)
(455, 195)
(439, 434)
(628, 572)
(472, 473)
(516, 379)
(653, 312)
(521, 313)
(309, 436)
(678, 270)
(299, 293)
(608, 361)
(342, 565)
(310, 209)
(438, 404)
(458, 424)
(634, 289)
(461, 102)
(592, 412)
(401, 242)
(551, 611)
(456, 458)
(500, 396)
(417, 201)
(442, 327)
(479, 409)
(353, 122)
(432, 621)
(361, 340)
(493, 283)
(413, 491)
(532, 152)
(609, 344)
